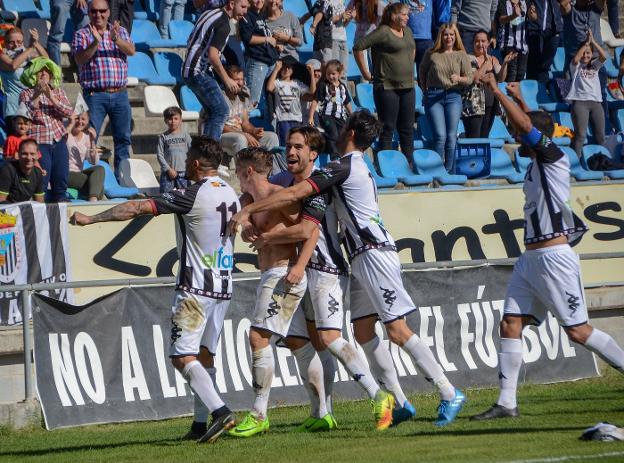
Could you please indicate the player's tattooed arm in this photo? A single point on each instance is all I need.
(120, 212)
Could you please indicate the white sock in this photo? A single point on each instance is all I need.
(311, 372)
(262, 369)
(382, 366)
(202, 385)
(200, 414)
(429, 366)
(605, 347)
(355, 364)
(509, 363)
(329, 374)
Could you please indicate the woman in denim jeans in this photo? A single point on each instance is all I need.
(260, 49)
(444, 72)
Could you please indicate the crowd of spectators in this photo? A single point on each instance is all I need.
(243, 56)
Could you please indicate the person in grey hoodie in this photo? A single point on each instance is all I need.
(471, 16)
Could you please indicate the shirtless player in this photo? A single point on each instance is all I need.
(282, 284)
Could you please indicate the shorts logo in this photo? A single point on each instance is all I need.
(175, 332)
(332, 305)
(273, 308)
(573, 303)
(388, 295)
(357, 376)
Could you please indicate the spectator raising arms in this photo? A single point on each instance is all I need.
(443, 74)
(48, 106)
(238, 131)
(81, 145)
(285, 28)
(479, 104)
(171, 152)
(585, 93)
(203, 71)
(392, 49)
(287, 91)
(21, 180)
(511, 25)
(368, 15)
(13, 60)
(260, 49)
(101, 52)
(335, 105)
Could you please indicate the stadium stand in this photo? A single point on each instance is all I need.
(179, 32)
(112, 189)
(381, 182)
(428, 162)
(140, 65)
(590, 150)
(576, 169)
(146, 36)
(158, 98)
(501, 167)
(393, 164)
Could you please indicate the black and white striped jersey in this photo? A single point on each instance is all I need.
(320, 209)
(333, 100)
(547, 211)
(354, 195)
(206, 252)
(212, 29)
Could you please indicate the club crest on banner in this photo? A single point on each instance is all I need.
(9, 248)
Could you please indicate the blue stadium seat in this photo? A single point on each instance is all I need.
(145, 35)
(188, 100)
(353, 71)
(461, 133)
(499, 130)
(522, 162)
(536, 97)
(590, 150)
(393, 163)
(351, 27)
(25, 9)
(364, 92)
(139, 11)
(141, 66)
(179, 32)
(557, 68)
(420, 107)
(297, 7)
(576, 169)
(152, 8)
(611, 67)
(45, 7)
(501, 167)
(429, 162)
(112, 189)
(620, 120)
(381, 182)
(168, 65)
(307, 46)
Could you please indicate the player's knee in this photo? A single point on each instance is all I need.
(364, 330)
(579, 334)
(398, 332)
(511, 327)
(178, 363)
(326, 337)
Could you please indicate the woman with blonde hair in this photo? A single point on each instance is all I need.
(443, 74)
(392, 49)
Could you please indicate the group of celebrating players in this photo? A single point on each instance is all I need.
(297, 222)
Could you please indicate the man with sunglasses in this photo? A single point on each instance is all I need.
(101, 51)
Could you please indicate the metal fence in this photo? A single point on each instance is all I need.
(27, 290)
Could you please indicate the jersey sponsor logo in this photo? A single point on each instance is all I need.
(573, 302)
(389, 296)
(218, 259)
(377, 220)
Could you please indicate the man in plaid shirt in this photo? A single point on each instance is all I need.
(101, 51)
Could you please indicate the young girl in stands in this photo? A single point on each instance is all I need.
(585, 93)
(287, 91)
(81, 146)
(335, 105)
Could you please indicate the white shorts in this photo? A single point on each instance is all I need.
(276, 301)
(322, 304)
(547, 279)
(196, 321)
(377, 288)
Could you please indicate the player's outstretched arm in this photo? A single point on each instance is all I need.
(279, 200)
(516, 116)
(120, 212)
(293, 234)
(296, 272)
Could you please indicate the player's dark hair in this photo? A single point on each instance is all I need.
(366, 128)
(172, 111)
(259, 158)
(233, 69)
(27, 141)
(543, 122)
(207, 151)
(313, 138)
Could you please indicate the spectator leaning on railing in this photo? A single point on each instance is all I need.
(21, 180)
(392, 49)
(49, 107)
(101, 51)
(443, 74)
(13, 60)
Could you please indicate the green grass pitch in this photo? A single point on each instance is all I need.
(552, 419)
